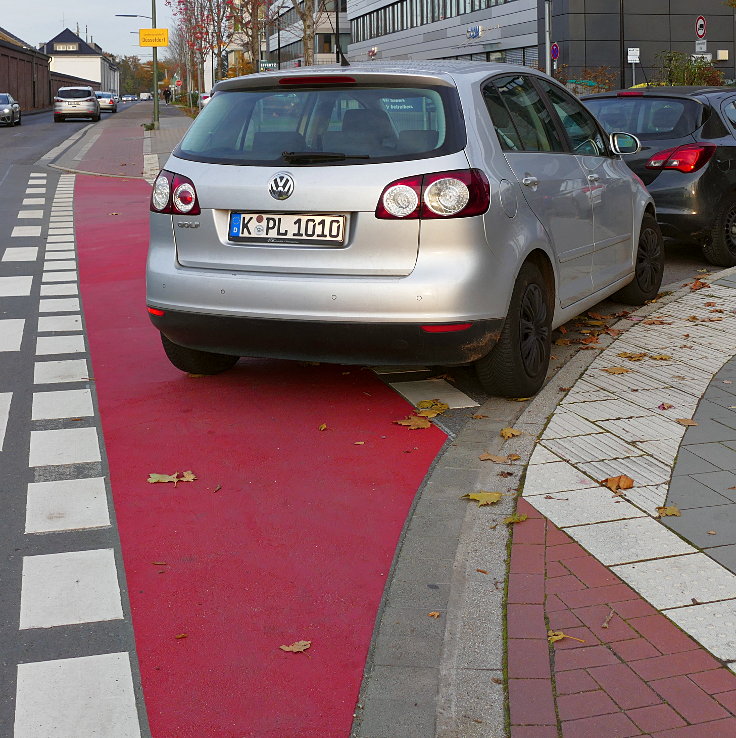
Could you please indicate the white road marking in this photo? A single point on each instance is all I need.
(34, 201)
(26, 231)
(49, 345)
(59, 266)
(34, 214)
(60, 246)
(23, 253)
(61, 305)
(11, 333)
(61, 255)
(54, 372)
(15, 286)
(51, 323)
(59, 277)
(57, 238)
(35, 190)
(48, 290)
(64, 446)
(56, 404)
(69, 504)
(5, 398)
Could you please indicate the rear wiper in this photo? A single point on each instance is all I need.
(317, 156)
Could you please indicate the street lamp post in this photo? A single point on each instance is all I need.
(548, 36)
(152, 18)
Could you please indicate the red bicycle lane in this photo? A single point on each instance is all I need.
(288, 532)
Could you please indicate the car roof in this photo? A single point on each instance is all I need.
(448, 71)
(80, 87)
(663, 91)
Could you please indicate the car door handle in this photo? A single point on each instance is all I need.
(593, 178)
(530, 181)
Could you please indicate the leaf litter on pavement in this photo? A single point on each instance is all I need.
(615, 484)
(187, 476)
(482, 497)
(297, 646)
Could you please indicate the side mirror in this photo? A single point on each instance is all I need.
(624, 143)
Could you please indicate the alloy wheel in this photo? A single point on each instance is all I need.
(533, 330)
(649, 263)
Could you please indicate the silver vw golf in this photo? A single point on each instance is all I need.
(408, 213)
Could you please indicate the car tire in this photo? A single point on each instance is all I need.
(649, 266)
(20, 117)
(96, 118)
(720, 248)
(517, 365)
(193, 361)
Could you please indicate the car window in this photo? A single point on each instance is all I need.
(373, 123)
(4, 99)
(581, 129)
(533, 123)
(647, 117)
(74, 94)
(730, 112)
(507, 134)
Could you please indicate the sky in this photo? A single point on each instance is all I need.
(41, 20)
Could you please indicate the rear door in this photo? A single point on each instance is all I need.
(609, 186)
(552, 180)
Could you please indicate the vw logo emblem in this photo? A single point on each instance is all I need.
(281, 186)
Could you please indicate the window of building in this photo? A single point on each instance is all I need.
(66, 47)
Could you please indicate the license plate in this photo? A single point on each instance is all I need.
(314, 230)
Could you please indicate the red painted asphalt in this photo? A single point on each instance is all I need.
(296, 544)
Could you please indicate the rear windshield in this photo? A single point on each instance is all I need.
(4, 99)
(103, 94)
(648, 117)
(74, 94)
(329, 125)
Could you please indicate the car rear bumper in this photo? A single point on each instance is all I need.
(348, 343)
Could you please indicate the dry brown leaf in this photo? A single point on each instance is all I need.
(511, 519)
(711, 320)
(590, 339)
(499, 459)
(481, 571)
(188, 476)
(557, 635)
(478, 416)
(483, 498)
(322, 427)
(660, 357)
(563, 342)
(698, 284)
(613, 331)
(632, 356)
(513, 457)
(665, 406)
(181, 635)
(507, 433)
(663, 512)
(297, 646)
(717, 310)
(712, 533)
(434, 614)
(431, 408)
(153, 478)
(159, 563)
(615, 370)
(617, 483)
(358, 443)
(656, 321)
(562, 329)
(414, 422)
(709, 304)
(686, 421)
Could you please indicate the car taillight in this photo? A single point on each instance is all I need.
(58, 99)
(686, 158)
(455, 194)
(174, 193)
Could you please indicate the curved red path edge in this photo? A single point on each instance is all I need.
(287, 534)
(637, 675)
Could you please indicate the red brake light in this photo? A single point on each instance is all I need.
(175, 194)
(455, 194)
(156, 311)
(446, 328)
(630, 93)
(687, 158)
(317, 79)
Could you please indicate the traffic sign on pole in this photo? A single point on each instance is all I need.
(701, 27)
(554, 52)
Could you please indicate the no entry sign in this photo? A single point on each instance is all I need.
(700, 27)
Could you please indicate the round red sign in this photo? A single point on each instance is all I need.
(700, 27)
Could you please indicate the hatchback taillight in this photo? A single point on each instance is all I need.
(58, 99)
(455, 194)
(686, 158)
(174, 193)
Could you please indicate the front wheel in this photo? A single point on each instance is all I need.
(193, 361)
(17, 123)
(649, 266)
(517, 365)
(720, 248)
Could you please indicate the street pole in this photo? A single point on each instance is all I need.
(548, 36)
(155, 70)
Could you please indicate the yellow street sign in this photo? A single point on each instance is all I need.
(153, 36)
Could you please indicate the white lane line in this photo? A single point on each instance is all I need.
(50, 290)
(34, 214)
(5, 398)
(56, 372)
(69, 504)
(15, 286)
(23, 253)
(60, 266)
(61, 231)
(11, 334)
(86, 697)
(34, 201)
(69, 588)
(57, 238)
(52, 323)
(56, 404)
(49, 345)
(26, 231)
(64, 446)
(61, 305)
(59, 277)
(60, 246)
(35, 190)
(61, 255)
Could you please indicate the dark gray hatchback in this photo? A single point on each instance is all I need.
(687, 158)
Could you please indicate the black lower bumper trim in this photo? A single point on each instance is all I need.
(346, 343)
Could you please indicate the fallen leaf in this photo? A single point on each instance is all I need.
(562, 329)
(481, 571)
(297, 646)
(414, 422)
(181, 635)
(712, 533)
(698, 284)
(613, 331)
(431, 408)
(660, 357)
(617, 483)
(322, 427)
(153, 478)
(511, 519)
(615, 370)
(159, 563)
(358, 443)
(520, 399)
(665, 406)
(717, 310)
(663, 512)
(483, 498)
(499, 459)
(557, 635)
(495, 680)
(217, 488)
(188, 476)
(711, 320)
(685, 421)
(113, 213)
(656, 321)
(590, 339)
(605, 623)
(632, 356)
(507, 433)
(563, 342)
(505, 474)
(709, 304)
(478, 416)
(433, 614)
(564, 389)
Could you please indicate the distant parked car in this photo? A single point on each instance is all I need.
(10, 112)
(204, 98)
(421, 213)
(107, 102)
(687, 159)
(129, 98)
(76, 102)
(145, 96)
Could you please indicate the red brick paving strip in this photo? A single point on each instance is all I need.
(640, 675)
